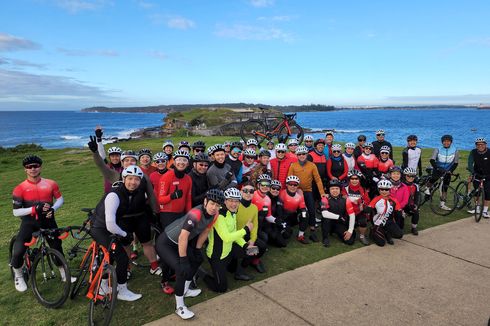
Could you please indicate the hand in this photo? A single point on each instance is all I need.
(324, 196)
(176, 194)
(229, 175)
(185, 267)
(198, 256)
(98, 133)
(50, 213)
(40, 211)
(92, 144)
(347, 235)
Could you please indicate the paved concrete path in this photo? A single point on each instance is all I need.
(441, 277)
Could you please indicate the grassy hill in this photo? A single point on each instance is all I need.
(82, 186)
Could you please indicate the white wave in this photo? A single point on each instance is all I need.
(125, 133)
(70, 137)
(347, 131)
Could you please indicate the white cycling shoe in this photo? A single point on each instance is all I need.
(184, 312)
(444, 207)
(191, 293)
(63, 276)
(124, 294)
(20, 283)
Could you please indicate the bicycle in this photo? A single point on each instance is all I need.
(94, 267)
(465, 195)
(479, 197)
(260, 129)
(46, 267)
(436, 196)
(81, 235)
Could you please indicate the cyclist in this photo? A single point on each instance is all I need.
(384, 209)
(199, 178)
(144, 157)
(349, 156)
(328, 143)
(181, 243)
(220, 174)
(337, 167)
(307, 172)
(121, 212)
(379, 142)
(361, 139)
(317, 156)
(412, 155)
(400, 192)
(160, 160)
(384, 161)
(114, 157)
(263, 166)
(33, 203)
(249, 156)
(168, 148)
(270, 148)
(292, 146)
(233, 159)
(368, 164)
(280, 164)
(263, 203)
(252, 144)
(308, 140)
(444, 160)
(338, 215)
(293, 206)
(184, 146)
(277, 232)
(412, 207)
(479, 166)
(360, 200)
(226, 243)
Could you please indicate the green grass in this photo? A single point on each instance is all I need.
(82, 186)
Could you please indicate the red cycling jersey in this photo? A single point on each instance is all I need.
(369, 161)
(149, 170)
(358, 196)
(169, 183)
(385, 166)
(290, 203)
(29, 194)
(262, 200)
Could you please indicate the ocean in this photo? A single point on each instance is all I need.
(60, 129)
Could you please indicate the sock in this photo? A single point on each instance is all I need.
(485, 209)
(179, 301)
(414, 226)
(135, 247)
(17, 272)
(301, 233)
(361, 236)
(186, 286)
(154, 265)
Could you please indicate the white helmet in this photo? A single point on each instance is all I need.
(380, 132)
(336, 147)
(217, 148)
(350, 145)
(160, 156)
(354, 172)
(480, 140)
(249, 152)
(410, 171)
(181, 153)
(168, 143)
(385, 149)
(264, 177)
(128, 153)
(281, 147)
(292, 178)
(252, 141)
(384, 184)
(233, 193)
(276, 183)
(292, 141)
(132, 170)
(114, 150)
(308, 137)
(211, 149)
(302, 150)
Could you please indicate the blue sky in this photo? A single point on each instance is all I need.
(71, 54)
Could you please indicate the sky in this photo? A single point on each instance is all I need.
(72, 54)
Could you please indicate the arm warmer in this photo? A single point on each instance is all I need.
(19, 212)
(330, 215)
(101, 150)
(111, 203)
(352, 221)
(57, 204)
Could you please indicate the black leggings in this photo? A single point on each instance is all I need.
(27, 227)
(414, 214)
(310, 206)
(335, 226)
(120, 256)
(218, 282)
(381, 232)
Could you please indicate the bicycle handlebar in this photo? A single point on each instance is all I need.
(65, 232)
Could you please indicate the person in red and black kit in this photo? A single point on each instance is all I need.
(368, 164)
(385, 162)
(359, 199)
(293, 205)
(412, 208)
(33, 203)
(281, 163)
(337, 167)
(199, 178)
(175, 193)
(317, 156)
(277, 233)
(160, 160)
(361, 139)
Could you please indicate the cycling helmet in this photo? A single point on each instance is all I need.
(308, 137)
(181, 153)
(250, 153)
(292, 141)
(215, 195)
(236, 144)
(168, 143)
(270, 142)
(410, 171)
(128, 153)
(367, 144)
(480, 140)
(336, 147)
(334, 183)
(395, 168)
(233, 193)
(361, 138)
(354, 172)
(201, 157)
(226, 143)
(114, 150)
(319, 141)
(217, 148)
(301, 150)
(32, 159)
(384, 184)
(160, 156)
(252, 141)
(281, 147)
(385, 149)
(412, 137)
(132, 170)
(144, 151)
(211, 149)
(350, 145)
(276, 183)
(292, 178)
(447, 137)
(264, 177)
(329, 132)
(184, 143)
(264, 152)
(198, 144)
(380, 132)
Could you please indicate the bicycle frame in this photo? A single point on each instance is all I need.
(94, 280)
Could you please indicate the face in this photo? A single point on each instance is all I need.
(249, 159)
(308, 143)
(212, 208)
(270, 146)
(168, 149)
(380, 137)
(361, 141)
(354, 180)
(367, 150)
(201, 167)
(145, 160)
(481, 147)
(252, 147)
(292, 186)
(409, 178)
(384, 192)
(292, 148)
(264, 160)
(395, 175)
(33, 170)
(334, 191)
(161, 164)
(219, 157)
(275, 191)
(185, 149)
(412, 143)
(247, 192)
(128, 161)
(115, 158)
(132, 182)
(301, 157)
(384, 155)
(181, 163)
(235, 152)
(329, 139)
(198, 150)
(349, 150)
(264, 187)
(446, 143)
(232, 204)
(336, 153)
(280, 154)
(227, 148)
(320, 147)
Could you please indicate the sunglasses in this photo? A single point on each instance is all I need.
(354, 178)
(308, 141)
(265, 184)
(248, 191)
(335, 151)
(203, 165)
(236, 150)
(386, 153)
(302, 154)
(32, 166)
(380, 134)
(250, 157)
(276, 188)
(181, 160)
(293, 184)
(281, 152)
(161, 161)
(361, 140)
(368, 148)
(384, 189)
(198, 150)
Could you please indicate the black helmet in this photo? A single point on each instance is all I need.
(334, 183)
(264, 152)
(198, 144)
(236, 144)
(201, 157)
(412, 137)
(216, 195)
(32, 159)
(447, 137)
(144, 151)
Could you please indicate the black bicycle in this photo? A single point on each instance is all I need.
(479, 197)
(443, 200)
(45, 267)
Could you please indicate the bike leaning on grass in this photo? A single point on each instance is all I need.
(443, 199)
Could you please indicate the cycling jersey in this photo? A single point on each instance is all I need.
(29, 194)
(411, 157)
(170, 182)
(351, 161)
(292, 202)
(384, 166)
(223, 235)
(445, 158)
(479, 163)
(236, 167)
(247, 211)
(369, 162)
(413, 191)
(217, 176)
(280, 169)
(195, 221)
(149, 170)
(342, 207)
(320, 161)
(357, 195)
(262, 201)
(384, 209)
(401, 193)
(199, 187)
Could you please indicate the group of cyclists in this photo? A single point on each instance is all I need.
(228, 203)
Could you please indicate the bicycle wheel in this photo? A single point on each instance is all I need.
(82, 278)
(102, 307)
(253, 129)
(461, 192)
(443, 206)
(295, 131)
(479, 202)
(78, 243)
(51, 278)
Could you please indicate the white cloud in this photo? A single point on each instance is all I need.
(75, 6)
(87, 53)
(248, 32)
(13, 43)
(20, 63)
(261, 3)
(146, 4)
(159, 55)
(283, 18)
(180, 23)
